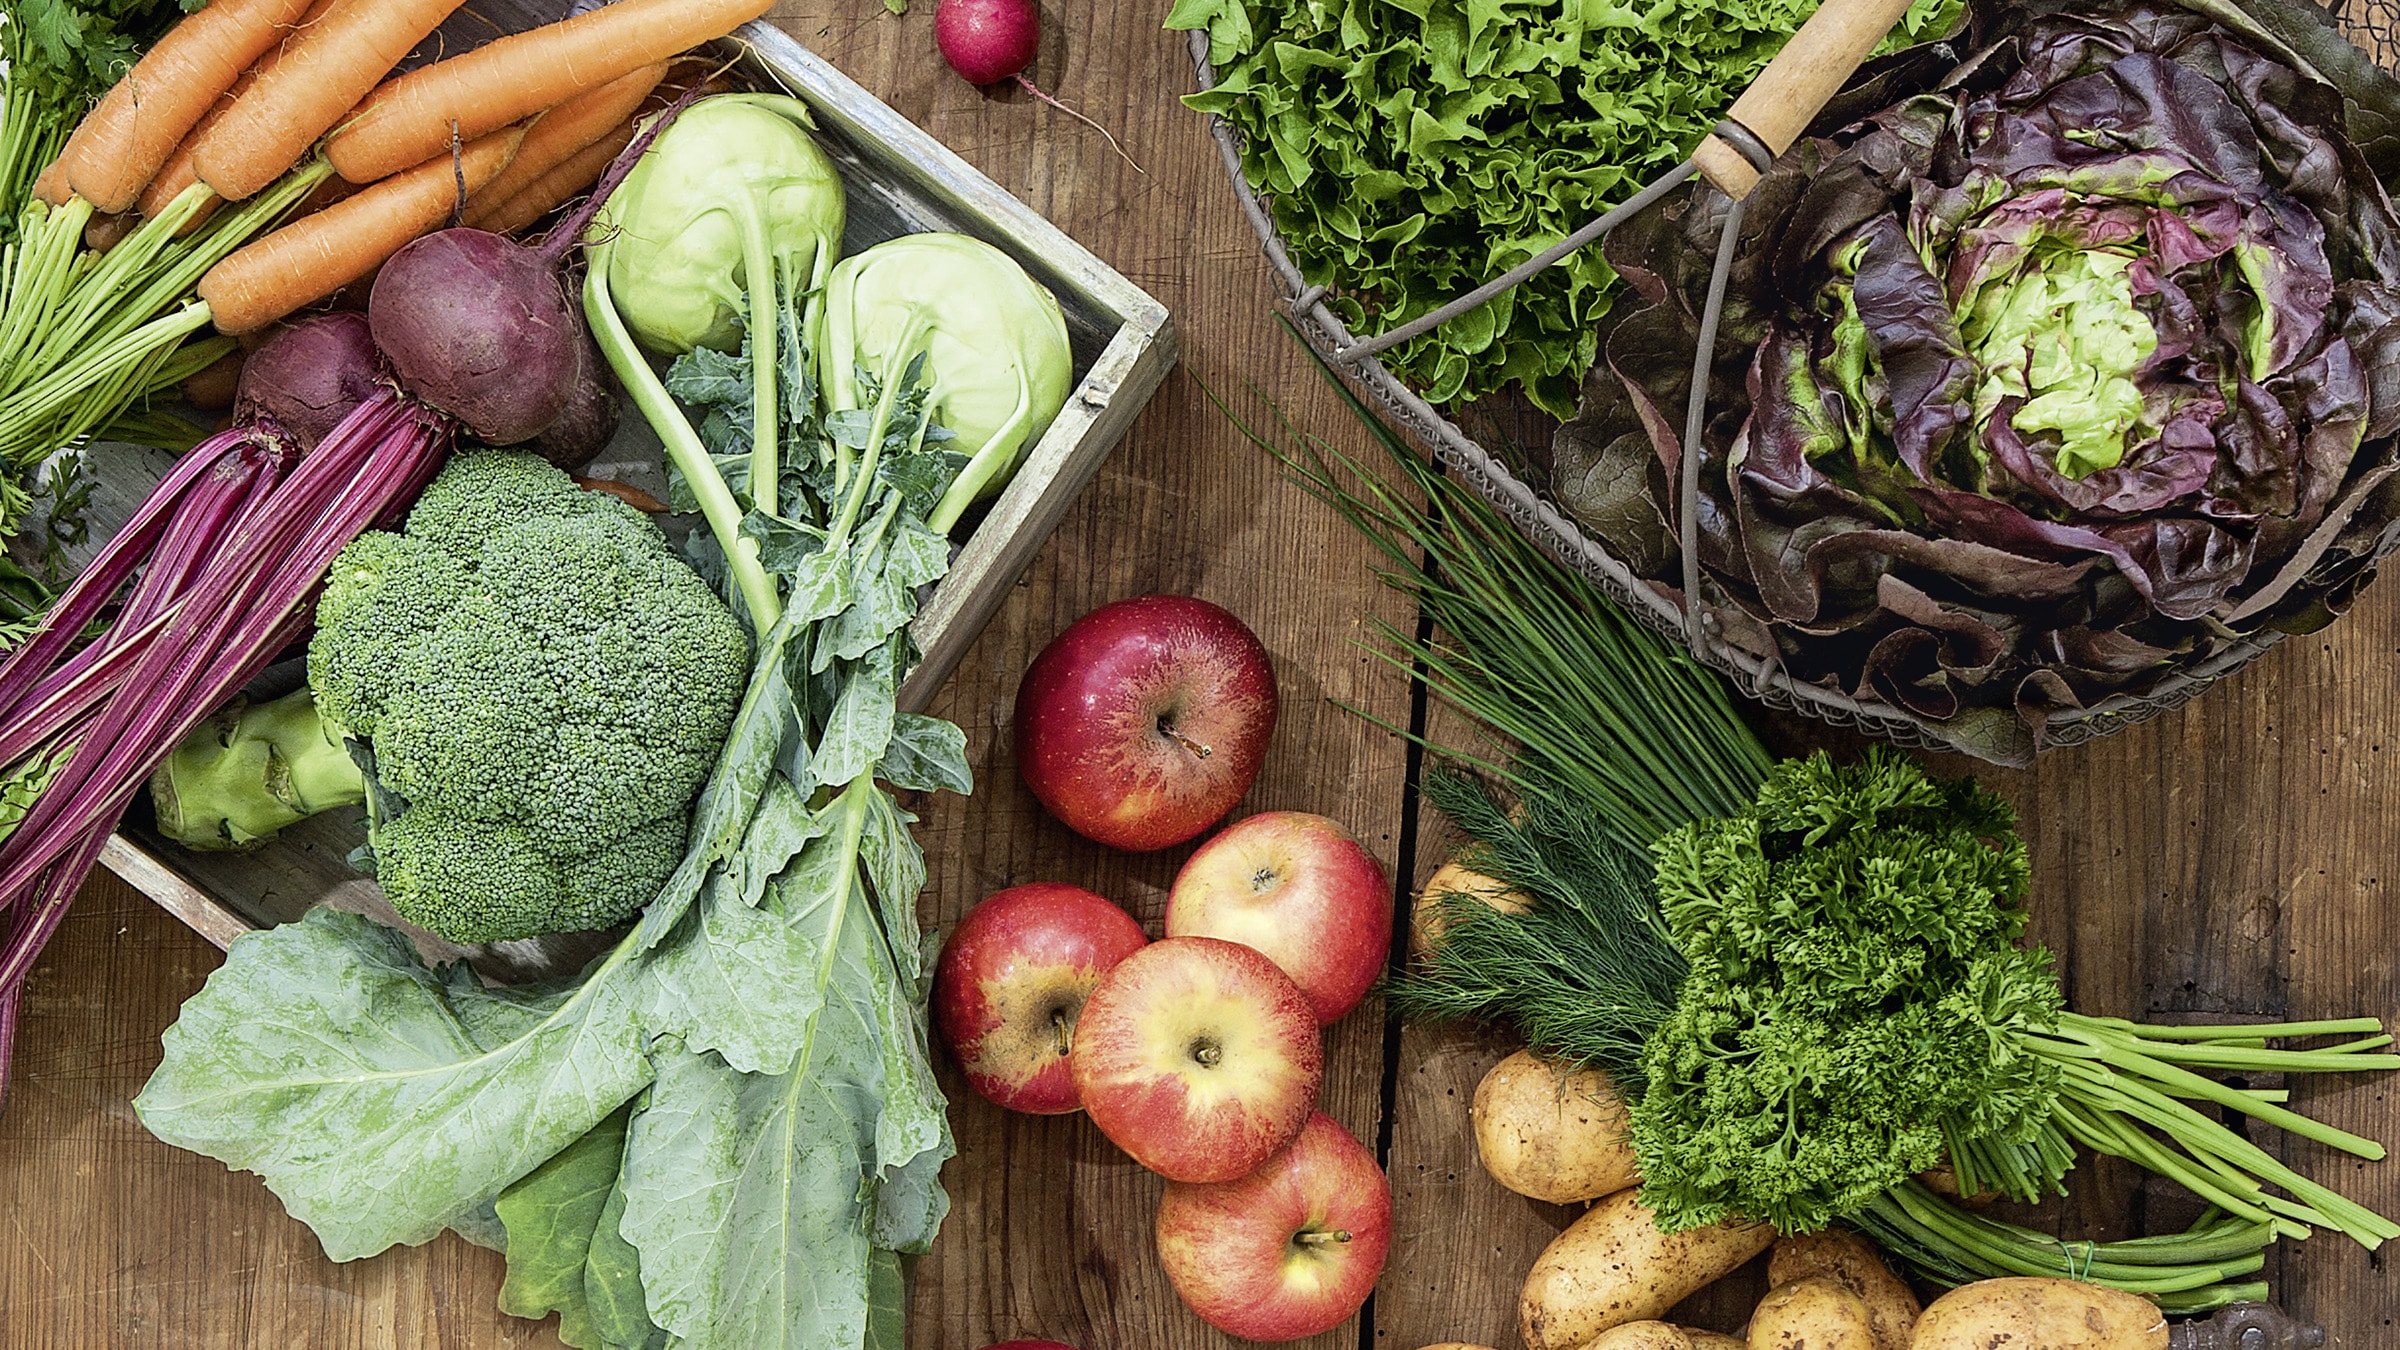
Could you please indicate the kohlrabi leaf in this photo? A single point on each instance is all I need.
(551, 1214)
(926, 754)
(378, 1098)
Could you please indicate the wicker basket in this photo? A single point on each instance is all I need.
(2374, 23)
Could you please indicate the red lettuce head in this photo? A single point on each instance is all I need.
(2073, 362)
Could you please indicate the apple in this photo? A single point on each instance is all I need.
(1300, 889)
(1012, 981)
(1198, 1057)
(1291, 1250)
(1145, 721)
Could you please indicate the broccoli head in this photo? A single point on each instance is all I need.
(544, 685)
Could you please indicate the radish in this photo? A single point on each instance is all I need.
(988, 41)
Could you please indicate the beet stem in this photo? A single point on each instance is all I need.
(569, 234)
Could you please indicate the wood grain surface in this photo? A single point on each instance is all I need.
(2231, 859)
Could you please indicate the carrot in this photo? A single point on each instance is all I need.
(51, 184)
(320, 77)
(177, 173)
(317, 255)
(564, 132)
(102, 233)
(124, 140)
(515, 77)
(488, 210)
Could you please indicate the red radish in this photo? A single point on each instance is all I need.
(987, 41)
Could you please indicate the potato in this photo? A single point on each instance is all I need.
(1428, 922)
(1641, 1336)
(1815, 1313)
(1551, 1133)
(2031, 1314)
(1614, 1266)
(1852, 1262)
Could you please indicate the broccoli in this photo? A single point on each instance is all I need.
(249, 771)
(540, 685)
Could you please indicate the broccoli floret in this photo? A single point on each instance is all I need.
(543, 682)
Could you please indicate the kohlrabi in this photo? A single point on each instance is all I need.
(992, 340)
(725, 229)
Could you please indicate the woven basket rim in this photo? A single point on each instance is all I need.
(1559, 536)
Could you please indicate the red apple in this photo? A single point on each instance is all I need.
(1143, 723)
(1300, 889)
(1288, 1251)
(1012, 981)
(1199, 1058)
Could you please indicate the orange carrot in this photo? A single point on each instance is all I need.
(51, 184)
(317, 255)
(177, 173)
(515, 77)
(122, 143)
(488, 210)
(564, 132)
(320, 78)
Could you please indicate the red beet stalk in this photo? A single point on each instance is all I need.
(236, 547)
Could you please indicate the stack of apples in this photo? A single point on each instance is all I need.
(1200, 1054)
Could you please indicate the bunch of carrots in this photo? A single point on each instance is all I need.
(262, 156)
(234, 97)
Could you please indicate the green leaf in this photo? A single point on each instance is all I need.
(381, 1100)
(887, 1301)
(612, 1282)
(551, 1215)
(896, 6)
(926, 754)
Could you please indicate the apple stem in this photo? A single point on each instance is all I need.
(1058, 1023)
(1210, 1054)
(1167, 729)
(1322, 1239)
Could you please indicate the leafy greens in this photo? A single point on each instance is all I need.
(1411, 150)
(2062, 363)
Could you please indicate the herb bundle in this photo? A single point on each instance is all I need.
(1812, 985)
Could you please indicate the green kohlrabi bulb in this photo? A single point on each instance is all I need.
(737, 184)
(995, 346)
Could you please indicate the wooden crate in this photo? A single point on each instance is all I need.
(899, 181)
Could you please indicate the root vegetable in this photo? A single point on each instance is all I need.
(1812, 1314)
(1551, 1133)
(987, 41)
(563, 134)
(481, 328)
(215, 386)
(1614, 1266)
(1430, 919)
(309, 376)
(514, 77)
(509, 214)
(1852, 1262)
(322, 76)
(317, 255)
(1643, 1336)
(177, 173)
(121, 144)
(2040, 1315)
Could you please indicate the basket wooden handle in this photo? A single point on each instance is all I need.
(1797, 85)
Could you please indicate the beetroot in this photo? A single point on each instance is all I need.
(307, 377)
(480, 327)
(593, 409)
(987, 41)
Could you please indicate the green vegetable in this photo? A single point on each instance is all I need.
(1855, 987)
(992, 342)
(60, 57)
(1749, 980)
(1411, 150)
(542, 685)
(728, 227)
(251, 770)
(565, 1252)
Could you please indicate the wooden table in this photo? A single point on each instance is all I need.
(2229, 859)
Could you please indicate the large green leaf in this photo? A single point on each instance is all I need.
(381, 1100)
